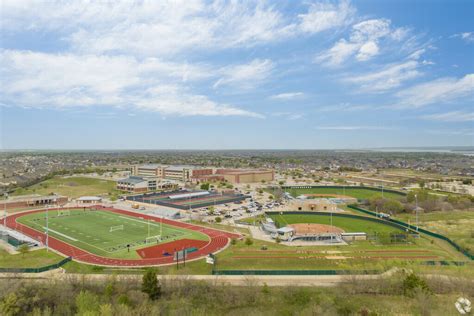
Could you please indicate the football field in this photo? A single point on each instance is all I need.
(106, 233)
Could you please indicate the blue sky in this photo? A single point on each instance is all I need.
(245, 75)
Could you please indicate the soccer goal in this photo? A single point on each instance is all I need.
(153, 239)
(115, 228)
(64, 213)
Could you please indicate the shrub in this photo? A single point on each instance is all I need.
(150, 284)
(413, 283)
(248, 241)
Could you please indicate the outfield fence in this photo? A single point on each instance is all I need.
(364, 218)
(36, 270)
(347, 187)
(414, 228)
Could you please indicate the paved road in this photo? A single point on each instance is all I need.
(237, 280)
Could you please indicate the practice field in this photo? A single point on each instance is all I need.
(107, 233)
(349, 225)
(356, 192)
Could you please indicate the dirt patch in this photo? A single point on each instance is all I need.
(310, 228)
(337, 257)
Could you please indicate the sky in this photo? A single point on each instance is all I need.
(236, 74)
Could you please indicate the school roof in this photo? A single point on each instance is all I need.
(132, 180)
(89, 198)
(286, 230)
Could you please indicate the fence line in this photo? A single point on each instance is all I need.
(421, 230)
(36, 270)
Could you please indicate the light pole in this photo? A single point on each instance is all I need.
(5, 210)
(416, 211)
(47, 228)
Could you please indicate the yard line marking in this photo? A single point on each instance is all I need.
(60, 234)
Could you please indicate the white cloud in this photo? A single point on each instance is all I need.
(352, 128)
(42, 80)
(389, 77)
(287, 96)
(466, 36)
(324, 16)
(337, 54)
(166, 28)
(453, 116)
(345, 107)
(367, 51)
(364, 42)
(245, 75)
(437, 91)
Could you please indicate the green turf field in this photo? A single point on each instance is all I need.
(347, 224)
(356, 192)
(90, 230)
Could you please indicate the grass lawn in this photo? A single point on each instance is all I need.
(360, 255)
(32, 259)
(358, 192)
(72, 187)
(90, 230)
(457, 225)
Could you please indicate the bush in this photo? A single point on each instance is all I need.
(151, 285)
(233, 241)
(218, 219)
(248, 241)
(413, 284)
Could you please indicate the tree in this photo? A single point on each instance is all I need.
(87, 303)
(413, 283)
(23, 249)
(393, 206)
(248, 241)
(151, 285)
(218, 219)
(10, 305)
(205, 186)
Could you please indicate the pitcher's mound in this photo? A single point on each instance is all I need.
(305, 229)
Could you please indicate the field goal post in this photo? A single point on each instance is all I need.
(63, 213)
(153, 239)
(115, 228)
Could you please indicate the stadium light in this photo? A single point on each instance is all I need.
(5, 210)
(416, 211)
(47, 228)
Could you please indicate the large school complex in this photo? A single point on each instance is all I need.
(153, 177)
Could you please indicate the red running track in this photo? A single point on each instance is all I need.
(218, 240)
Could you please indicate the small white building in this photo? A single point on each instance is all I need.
(285, 233)
(89, 200)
